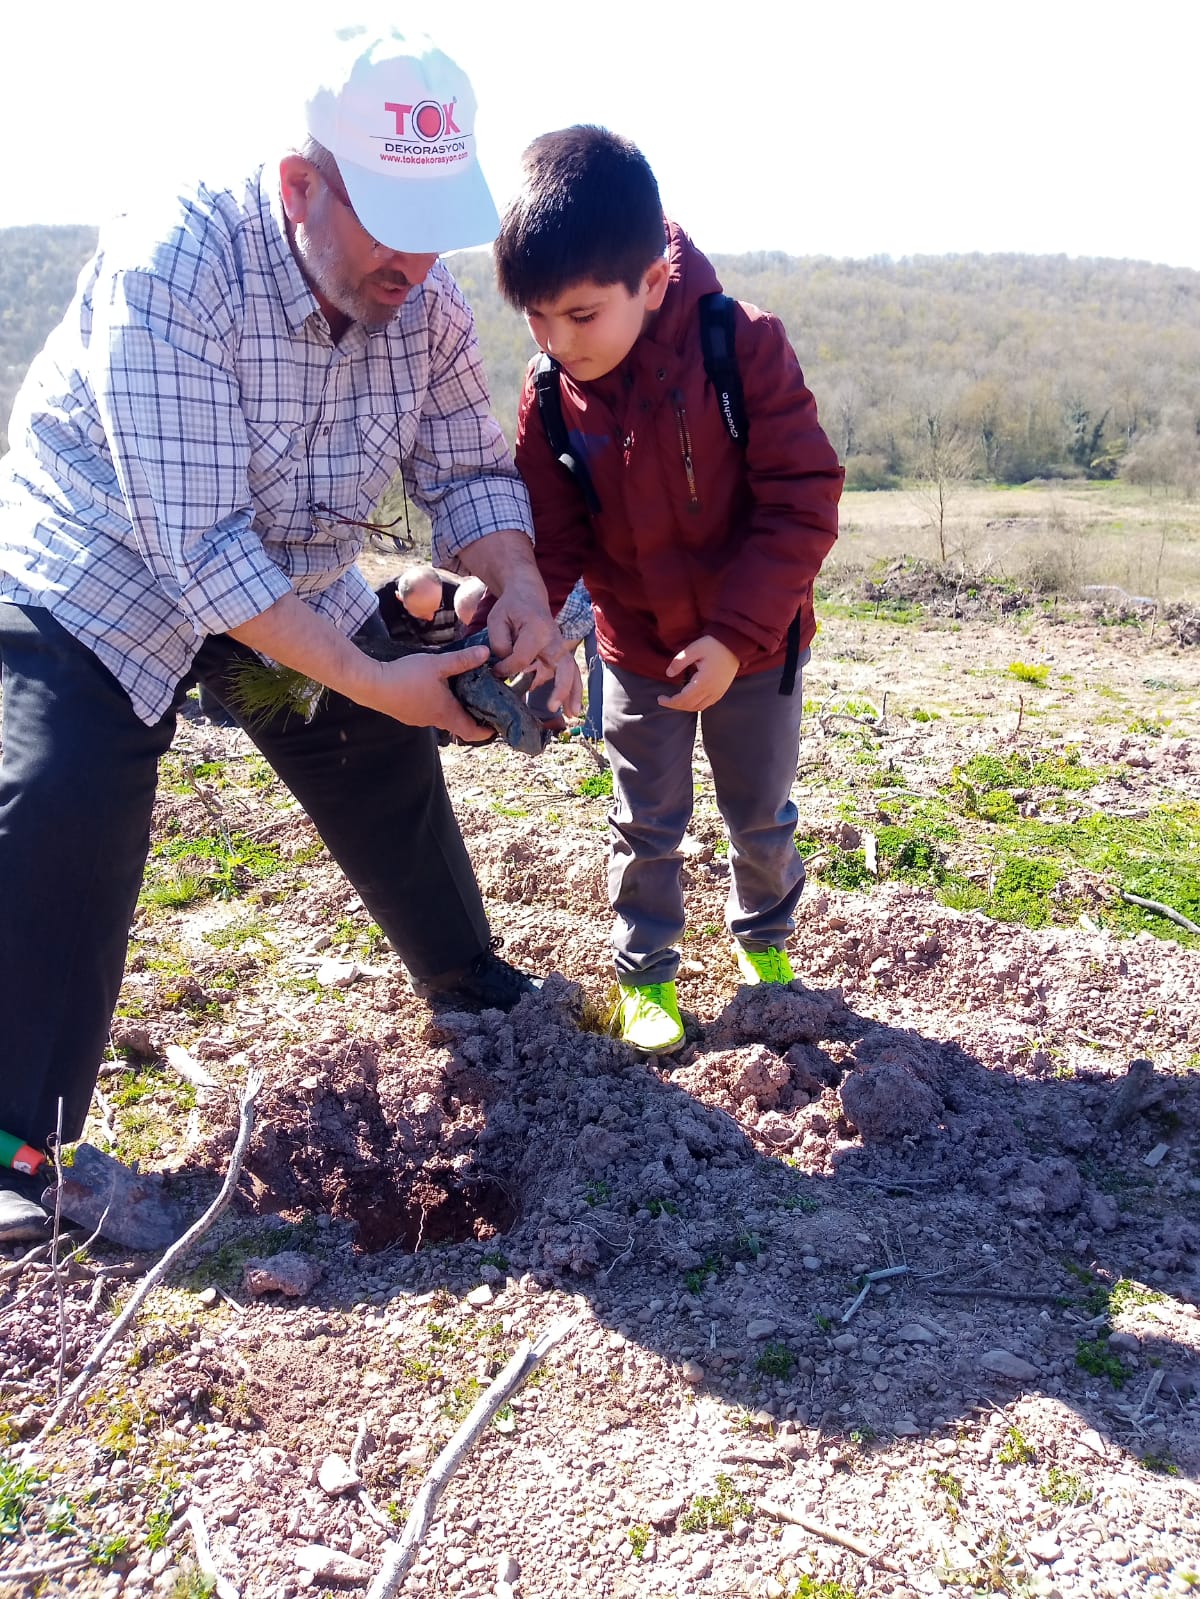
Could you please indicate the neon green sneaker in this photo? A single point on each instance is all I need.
(764, 965)
(648, 1017)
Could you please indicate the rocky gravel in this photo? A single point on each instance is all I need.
(874, 1290)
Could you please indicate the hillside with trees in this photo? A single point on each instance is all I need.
(998, 367)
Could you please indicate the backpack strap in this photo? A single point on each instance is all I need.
(549, 404)
(720, 363)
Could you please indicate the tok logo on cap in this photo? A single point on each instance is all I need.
(429, 120)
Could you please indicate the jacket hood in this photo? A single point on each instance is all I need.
(692, 276)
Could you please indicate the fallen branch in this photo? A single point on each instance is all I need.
(771, 1507)
(1160, 909)
(51, 1569)
(869, 1280)
(222, 1587)
(176, 1253)
(1017, 1295)
(401, 1555)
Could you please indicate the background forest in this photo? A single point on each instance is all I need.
(1004, 368)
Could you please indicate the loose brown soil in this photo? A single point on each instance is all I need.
(932, 1097)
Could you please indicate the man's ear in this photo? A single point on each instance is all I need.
(658, 275)
(297, 185)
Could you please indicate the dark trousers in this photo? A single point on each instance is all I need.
(751, 737)
(78, 773)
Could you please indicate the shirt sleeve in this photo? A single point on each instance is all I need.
(464, 477)
(560, 518)
(169, 402)
(795, 482)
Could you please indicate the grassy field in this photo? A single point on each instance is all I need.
(1058, 536)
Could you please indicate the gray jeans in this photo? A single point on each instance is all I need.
(751, 736)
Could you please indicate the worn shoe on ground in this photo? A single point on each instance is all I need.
(487, 983)
(648, 1017)
(22, 1220)
(764, 965)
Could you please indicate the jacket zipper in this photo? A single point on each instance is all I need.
(685, 446)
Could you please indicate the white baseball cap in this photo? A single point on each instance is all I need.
(399, 117)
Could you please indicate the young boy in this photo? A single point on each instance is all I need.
(699, 549)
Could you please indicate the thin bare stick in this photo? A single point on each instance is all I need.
(1160, 910)
(869, 1280)
(60, 1294)
(32, 1573)
(1151, 1393)
(204, 1555)
(527, 1358)
(780, 1512)
(173, 1255)
(1018, 1295)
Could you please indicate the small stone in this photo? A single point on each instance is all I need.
(692, 1372)
(1125, 1342)
(208, 1297)
(331, 1565)
(763, 1327)
(1005, 1364)
(663, 1512)
(1045, 1547)
(337, 974)
(1157, 1154)
(289, 1273)
(483, 1295)
(914, 1333)
(335, 1476)
(845, 1342)
(811, 1262)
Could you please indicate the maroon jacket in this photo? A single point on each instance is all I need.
(729, 548)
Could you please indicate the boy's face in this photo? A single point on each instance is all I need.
(591, 327)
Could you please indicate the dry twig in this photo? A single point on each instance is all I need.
(771, 1507)
(176, 1253)
(402, 1554)
(51, 1569)
(1160, 909)
(223, 1588)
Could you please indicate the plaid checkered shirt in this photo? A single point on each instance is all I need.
(170, 439)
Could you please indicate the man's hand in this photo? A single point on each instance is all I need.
(715, 669)
(414, 690)
(520, 626)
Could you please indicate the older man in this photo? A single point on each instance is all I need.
(194, 456)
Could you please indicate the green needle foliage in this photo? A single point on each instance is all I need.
(260, 693)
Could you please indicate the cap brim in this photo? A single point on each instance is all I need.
(424, 217)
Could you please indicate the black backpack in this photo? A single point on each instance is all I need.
(721, 369)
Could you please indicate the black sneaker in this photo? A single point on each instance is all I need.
(487, 983)
(23, 1218)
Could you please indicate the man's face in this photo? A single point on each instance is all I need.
(591, 327)
(347, 268)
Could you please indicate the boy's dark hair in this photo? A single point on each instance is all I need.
(588, 209)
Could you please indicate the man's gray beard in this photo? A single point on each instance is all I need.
(320, 262)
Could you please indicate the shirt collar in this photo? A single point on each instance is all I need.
(295, 296)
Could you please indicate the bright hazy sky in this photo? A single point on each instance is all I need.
(845, 129)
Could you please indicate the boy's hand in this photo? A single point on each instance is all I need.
(715, 669)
